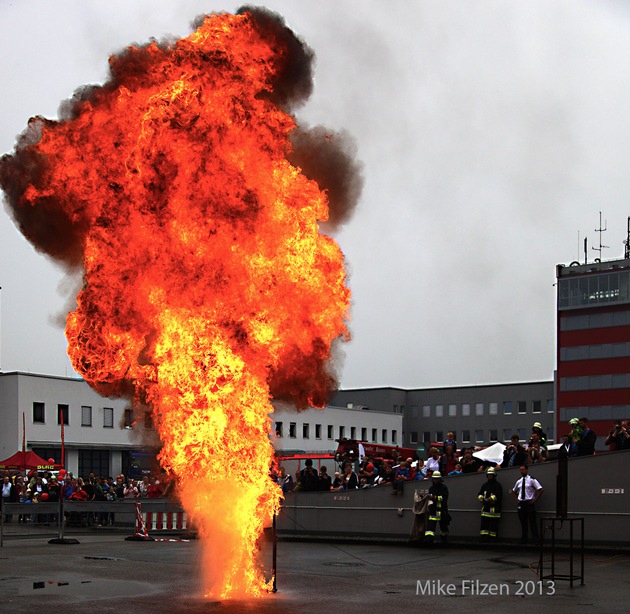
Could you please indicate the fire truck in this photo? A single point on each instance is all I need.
(348, 450)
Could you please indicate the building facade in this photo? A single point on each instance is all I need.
(593, 348)
(477, 415)
(315, 430)
(100, 434)
(108, 437)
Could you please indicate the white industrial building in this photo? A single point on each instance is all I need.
(315, 430)
(105, 435)
(100, 434)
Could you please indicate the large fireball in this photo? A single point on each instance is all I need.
(181, 189)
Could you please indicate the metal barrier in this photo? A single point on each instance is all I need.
(70, 517)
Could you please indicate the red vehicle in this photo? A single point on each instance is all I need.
(348, 450)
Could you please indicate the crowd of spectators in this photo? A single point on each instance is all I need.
(41, 487)
(449, 460)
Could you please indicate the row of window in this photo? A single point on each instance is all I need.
(595, 320)
(595, 352)
(352, 432)
(480, 408)
(603, 288)
(595, 382)
(63, 415)
(480, 435)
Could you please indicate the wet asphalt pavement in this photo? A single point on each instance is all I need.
(105, 573)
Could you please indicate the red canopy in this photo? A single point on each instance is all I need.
(28, 460)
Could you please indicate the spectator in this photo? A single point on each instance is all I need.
(387, 476)
(285, 481)
(470, 464)
(400, 477)
(337, 482)
(143, 486)
(457, 471)
(433, 462)
(542, 436)
(448, 460)
(325, 481)
(514, 454)
(308, 477)
(618, 436)
(536, 453)
(349, 479)
(368, 470)
(155, 490)
(449, 441)
(575, 431)
(9, 495)
(131, 490)
(586, 445)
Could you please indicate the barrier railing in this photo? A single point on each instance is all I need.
(69, 517)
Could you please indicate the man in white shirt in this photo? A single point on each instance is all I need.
(526, 492)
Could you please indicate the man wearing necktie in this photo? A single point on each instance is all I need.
(526, 492)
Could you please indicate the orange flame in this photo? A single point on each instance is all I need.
(208, 288)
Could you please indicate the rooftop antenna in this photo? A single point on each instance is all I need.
(627, 242)
(600, 230)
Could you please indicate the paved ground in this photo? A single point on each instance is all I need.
(105, 573)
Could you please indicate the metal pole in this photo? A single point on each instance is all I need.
(1, 522)
(274, 566)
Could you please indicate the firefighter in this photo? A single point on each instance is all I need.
(491, 497)
(438, 510)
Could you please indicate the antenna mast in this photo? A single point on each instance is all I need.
(627, 242)
(600, 230)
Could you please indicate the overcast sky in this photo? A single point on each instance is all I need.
(491, 133)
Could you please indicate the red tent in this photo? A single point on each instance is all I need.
(27, 461)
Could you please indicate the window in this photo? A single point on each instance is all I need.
(128, 419)
(439, 436)
(363, 434)
(413, 438)
(522, 407)
(466, 436)
(536, 407)
(384, 436)
(292, 430)
(452, 410)
(374, 434)
(86, 415)
(108, 417)
(522, 435)
(493, 434)
(395, 436)
(395, 408)
(493, 409)
(94, 460)
(39, 411)
(550, 406)
(426, 437)
(342, 432)
(353, 432)
(63, 412)
(507, 407)
(305, 430)
(478, 409)
(318, 431)
(507, 434)
(426, 411)
(479, 436)
(466, 409)
(329, 431)
(439, 411)
(278, 429)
